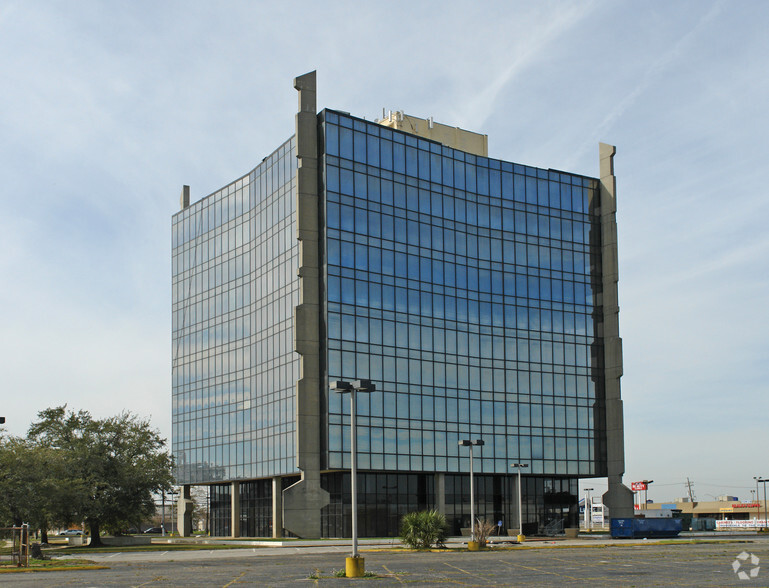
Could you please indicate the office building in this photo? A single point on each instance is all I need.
(478, 295)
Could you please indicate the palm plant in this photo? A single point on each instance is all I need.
(422, 530)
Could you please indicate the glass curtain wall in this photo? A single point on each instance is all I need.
(234, 290)
(465, 288)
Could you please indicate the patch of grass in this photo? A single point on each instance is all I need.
(40, 565)
(339, 574)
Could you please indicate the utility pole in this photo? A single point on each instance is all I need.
(689, 488)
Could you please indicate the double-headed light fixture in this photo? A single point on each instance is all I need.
(354, 566)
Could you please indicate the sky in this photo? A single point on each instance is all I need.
(108, 108)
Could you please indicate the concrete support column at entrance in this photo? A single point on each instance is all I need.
(440, 492)
(184, 511)
(277, 507)
(235, 504)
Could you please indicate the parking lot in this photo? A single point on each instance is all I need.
(652, 564)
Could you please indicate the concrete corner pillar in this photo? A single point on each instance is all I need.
(184, 508)
(184, 198)
(235, 509)
(303, 501)
(618, 498)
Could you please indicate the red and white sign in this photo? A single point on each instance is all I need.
(637, 486)
(745, 505)
(755, 523)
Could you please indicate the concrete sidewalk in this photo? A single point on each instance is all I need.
(342, 546)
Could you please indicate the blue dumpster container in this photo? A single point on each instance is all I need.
(622, 528)
(644, 528)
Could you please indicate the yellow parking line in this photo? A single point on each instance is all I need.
(515, 565)
(458, 568)
(235, 580)
(389, 571)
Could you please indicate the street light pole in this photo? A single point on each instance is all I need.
(764, 481)
(646, 492)
(354, 568)
(520, 492)
(470, 443)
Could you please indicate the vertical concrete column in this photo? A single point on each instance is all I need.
(184, 198)
(440, 492)
(184, 511)
(303, 501)
(277, 507)
(618, 497)
(235, 509)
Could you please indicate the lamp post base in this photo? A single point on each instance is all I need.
(521, 538)
(355, 567)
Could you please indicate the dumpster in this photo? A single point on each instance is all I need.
(645, 528)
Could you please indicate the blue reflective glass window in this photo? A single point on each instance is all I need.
(359, 143)
(424, 164)
(361, 185)
(449, 241)
(401, 300)
(448, 207)
(332, 139)
(471, 176)
(472, 248)
(373, 189)
(347, 218)
(361, 257)
(346, 182)
(332, 215)
(435, 167)
(345, 143)
(448, 171)
(333, 290)
(347, 254)
(482, 180)
(333, 254)
(400, 235)
(507, 185)
(388, 230)
(332, 179)
(373, 150)
(399, 195)
(412, 232)
(388, 296)
(334, 327)
(361, 221)
(386, 155)
(399, 158)
(348, 290)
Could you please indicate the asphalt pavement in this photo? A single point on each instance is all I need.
(580, 562)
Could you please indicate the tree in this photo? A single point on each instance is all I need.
(116, 463)
(31, 485)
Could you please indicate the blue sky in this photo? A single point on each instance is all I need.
(108, 108)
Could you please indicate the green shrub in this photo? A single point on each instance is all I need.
(422, 530)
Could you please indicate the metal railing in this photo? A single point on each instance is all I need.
(554, 527)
